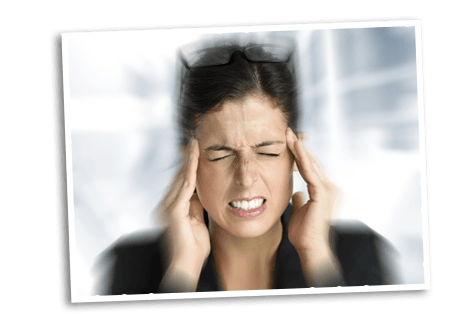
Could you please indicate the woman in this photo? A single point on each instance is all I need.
(230, 225)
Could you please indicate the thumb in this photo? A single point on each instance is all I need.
(196, 208)
(298, 200)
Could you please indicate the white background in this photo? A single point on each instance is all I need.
(359, 108)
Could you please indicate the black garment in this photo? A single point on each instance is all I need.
(134, 264)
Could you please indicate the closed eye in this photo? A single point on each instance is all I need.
(217, 159)
(263, 154)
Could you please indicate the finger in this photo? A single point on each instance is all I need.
(316, 166)
(179, 177)
(302, 159)
(324, 180)
(171, 192)
(319, 170)
(188, 185)
(298, 200)
(196, 208)
(302, 137)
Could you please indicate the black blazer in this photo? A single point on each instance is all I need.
(134, 264)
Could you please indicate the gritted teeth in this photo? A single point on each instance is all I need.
(245, 205)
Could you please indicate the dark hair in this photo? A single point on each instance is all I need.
(203, 90)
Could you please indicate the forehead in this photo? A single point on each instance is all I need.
(243, 122)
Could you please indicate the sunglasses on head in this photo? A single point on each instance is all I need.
(222, 55)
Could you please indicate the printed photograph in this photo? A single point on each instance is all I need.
(245, 161)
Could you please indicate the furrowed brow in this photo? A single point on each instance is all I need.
(269, 143)
(219, 148)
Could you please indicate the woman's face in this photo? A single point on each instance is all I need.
(244, 178)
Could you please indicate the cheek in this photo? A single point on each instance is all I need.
(281, 175)
(281, 167)
(210, 184)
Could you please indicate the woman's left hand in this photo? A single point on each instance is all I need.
(308, 229)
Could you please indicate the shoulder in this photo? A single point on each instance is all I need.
(131, 265)
(367, 258)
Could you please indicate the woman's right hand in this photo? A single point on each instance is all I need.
(188, 237)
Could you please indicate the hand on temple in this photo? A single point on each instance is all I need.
(188, 236)
(309, 224)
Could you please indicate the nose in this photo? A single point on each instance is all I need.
(246, 173)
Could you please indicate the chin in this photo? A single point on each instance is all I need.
(249, 234)
(250, 228)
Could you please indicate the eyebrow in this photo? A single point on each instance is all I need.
(229, 149)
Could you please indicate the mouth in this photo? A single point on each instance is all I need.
(247, 204)
(248, 208)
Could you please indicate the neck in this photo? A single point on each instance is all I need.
(245, 263)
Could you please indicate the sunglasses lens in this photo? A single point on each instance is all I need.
(208, 57)
(221, 56)
(267, 53)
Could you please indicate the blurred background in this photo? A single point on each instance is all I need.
(360, 111)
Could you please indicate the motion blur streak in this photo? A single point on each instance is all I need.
(363, 128)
